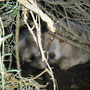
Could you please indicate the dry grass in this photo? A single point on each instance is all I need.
(81, 14)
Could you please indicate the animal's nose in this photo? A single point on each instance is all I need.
(33, 57)
(51, 55)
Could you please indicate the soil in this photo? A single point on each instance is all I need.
(75, 78)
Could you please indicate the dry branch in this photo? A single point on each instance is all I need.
(69, 35)
(32, 5)
(44, 59)
(17, 39)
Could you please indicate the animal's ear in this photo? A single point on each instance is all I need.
(21, 44)
(26, 54)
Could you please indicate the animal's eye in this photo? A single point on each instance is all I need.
(51, 39)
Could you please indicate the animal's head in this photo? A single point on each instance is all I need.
(33, 57)
(56, 48)
(28, 50)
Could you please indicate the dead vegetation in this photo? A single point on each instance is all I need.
(60, 17)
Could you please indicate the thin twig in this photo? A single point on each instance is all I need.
(41, 49)
(2, 56)
(17, 39)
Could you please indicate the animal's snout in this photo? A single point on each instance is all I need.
(33, 57)
(51, 55)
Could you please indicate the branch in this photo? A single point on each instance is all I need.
(32, 5)
(17, 39)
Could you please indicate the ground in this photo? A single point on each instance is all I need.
(75, 78)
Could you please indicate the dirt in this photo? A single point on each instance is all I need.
(75, 78)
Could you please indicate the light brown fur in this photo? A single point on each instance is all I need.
(63, 53)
